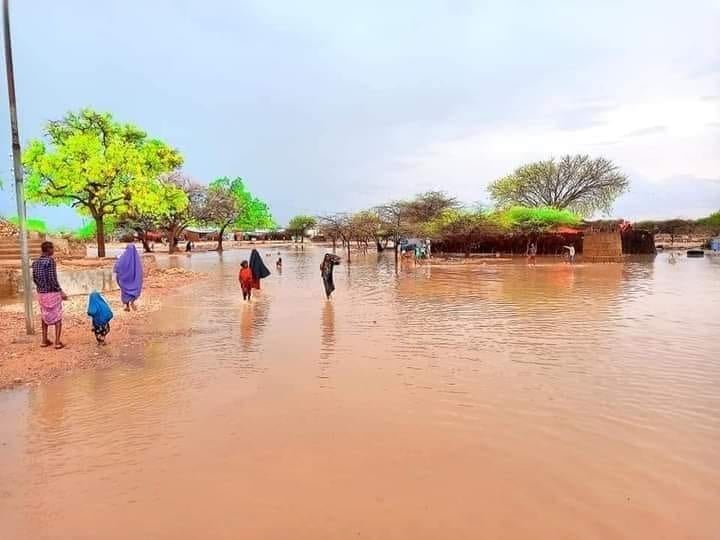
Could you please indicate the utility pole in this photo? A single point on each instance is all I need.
(18, 170)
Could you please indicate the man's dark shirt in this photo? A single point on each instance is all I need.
(44, 273)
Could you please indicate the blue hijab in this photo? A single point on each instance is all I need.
(98, 309)
(129, 274)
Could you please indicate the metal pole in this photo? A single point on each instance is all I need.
(18, 169)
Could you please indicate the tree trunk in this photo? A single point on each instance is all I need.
(172, 232)
(348, 251)
(144, 240)
(302, 237)
(334, 244)
(100, 236)
(220, 238)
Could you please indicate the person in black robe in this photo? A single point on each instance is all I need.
(326, 271)
(259, 270)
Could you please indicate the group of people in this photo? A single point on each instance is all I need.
(254, 270)
(251, 273)
(129, 274)
(531, 253)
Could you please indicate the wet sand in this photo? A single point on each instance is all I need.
(466, 401)
(24, 362)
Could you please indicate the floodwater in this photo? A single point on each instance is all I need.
(470, 401)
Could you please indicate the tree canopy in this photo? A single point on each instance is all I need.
(578, 183)
(177, 219)
(95, 164)
(228, 202)
(151, 205)
(300, 224)
(221, 208)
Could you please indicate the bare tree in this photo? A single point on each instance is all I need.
(220, 209)
(395, 217)
(330, 226)
(174, 223)
(429, 205)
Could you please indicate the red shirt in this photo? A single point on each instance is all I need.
(246, 278)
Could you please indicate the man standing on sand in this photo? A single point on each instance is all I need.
(50, 294)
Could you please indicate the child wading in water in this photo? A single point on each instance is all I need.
(101, 314)
(246, 280)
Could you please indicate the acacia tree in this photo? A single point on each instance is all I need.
(427, 206)
(221, 207)
(578, 183)
(395, 219)
(330, 226)
(95, 164)
(152, 205)
(175, 221)
(462, 227)
(300, 225)
(365, 228)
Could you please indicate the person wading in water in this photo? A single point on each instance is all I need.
(532, 253)
(259, 270)
(326, 271)
(246, 280)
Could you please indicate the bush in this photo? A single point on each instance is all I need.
(33, 225)
(523, 218)
(88, 231)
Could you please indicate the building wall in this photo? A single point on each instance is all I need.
(602, 247)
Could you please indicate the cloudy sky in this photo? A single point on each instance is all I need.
(324, 105)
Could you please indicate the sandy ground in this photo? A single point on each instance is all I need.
(23, 361)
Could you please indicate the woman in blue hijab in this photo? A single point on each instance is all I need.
(129, 272)
(100, 313)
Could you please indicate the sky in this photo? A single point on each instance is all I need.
(325, 106)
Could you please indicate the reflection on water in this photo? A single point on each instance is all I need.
(452, 401)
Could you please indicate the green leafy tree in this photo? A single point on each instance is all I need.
(228, 203)
(151, 205)
(301, 224)
(254, 212)
(94, 164)
(31, 224)
(520, 218)
(578, 183)
(711, 222)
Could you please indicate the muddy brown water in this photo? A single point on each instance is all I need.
(478, 401)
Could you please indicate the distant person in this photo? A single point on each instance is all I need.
(101, 314)
(532, 253)
(50, 294)
(129, 273)
(672, 259)
(259, 270)
(278, 263)
(188, 247)
(246, 280)
(326, 272)
(571, 254)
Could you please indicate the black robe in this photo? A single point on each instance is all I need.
(326, 271)
(259, 270)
